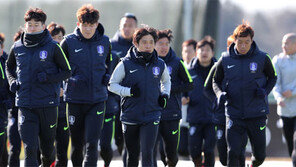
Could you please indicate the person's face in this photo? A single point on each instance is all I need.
(205, 54)
(127, 27)
(188, 53)
(58, 37)
(162, 47)
(288, 46)
(34, 26)
(243, 44)
(1, 50)
(87, 30)
(146, 44)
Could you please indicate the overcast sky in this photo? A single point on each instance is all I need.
(263, 5)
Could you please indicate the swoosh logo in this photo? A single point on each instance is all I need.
(230, 66)
(194, 76)
(263, 127)
(99, 113)
(65, 128)
(174, 132)
(132, 71)
(2, 133)
(19, 54)
(156, 122)
(78, 50)
(108, 120)
(51, 126)
(117, 53)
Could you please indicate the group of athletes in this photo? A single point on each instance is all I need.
(134, 88)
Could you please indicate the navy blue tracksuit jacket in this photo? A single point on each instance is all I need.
(145, 108)
(243, 75)
(88, 59)
(200, 107)
(181, 81)
(120, 46)
(26, 62)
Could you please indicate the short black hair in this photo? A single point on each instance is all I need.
(130, 16)
(55, 29)
(36, 14)
(139, 33)
(165, 34)
(190, 42)
(207, 40)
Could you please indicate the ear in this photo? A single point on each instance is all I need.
(120, 23)
(25, 25)
(43, 26)
(78, 24)
(119, 26)
(136, 44)
(235, 41)
(97, 24)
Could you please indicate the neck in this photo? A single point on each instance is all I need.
(205, 64)
(187, 61)
(128, 39)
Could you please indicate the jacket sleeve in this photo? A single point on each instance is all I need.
(277, 89)
(208, 86)
(115, 80)
(109, 61)
(187, 82)
(65, 48)
(2, 80)
(165, 82)
(11, 67)
(62, 62)
(270, 73)
(115, 61)
(218, 78)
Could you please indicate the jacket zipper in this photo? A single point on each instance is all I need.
(145, 109)
(30, 71)
(91, 89)
(242, 90)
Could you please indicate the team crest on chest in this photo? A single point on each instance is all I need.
(253, 67)
(229, 124)
(43, 55)
(170, 70)
(219, 134)
(100, 50)
(21, 119)
(156, 71)
(71, 119)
